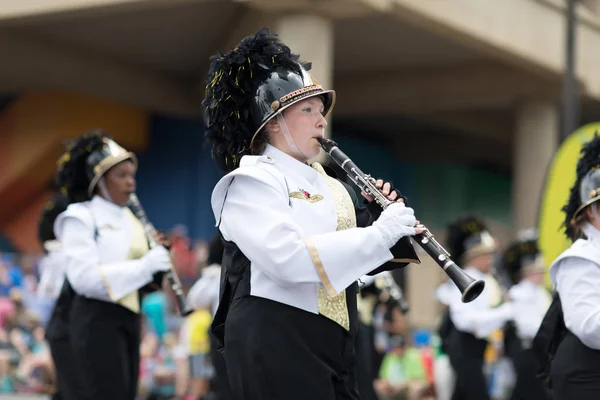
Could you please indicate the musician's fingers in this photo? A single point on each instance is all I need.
(418, 222)
(400, 200)
(419, 230)
(366, 196)
(393, 195)
(379, 183)
(162, 239)
(386, 188)
(157, 236)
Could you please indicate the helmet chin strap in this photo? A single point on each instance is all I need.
(104, 191)
(594, 208)
(288, 137)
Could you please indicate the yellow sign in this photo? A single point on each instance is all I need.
(561, 177)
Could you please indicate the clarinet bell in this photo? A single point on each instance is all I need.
(468, 287)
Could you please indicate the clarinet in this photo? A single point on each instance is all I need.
(174, 282)
(395, 293)
(469, 287)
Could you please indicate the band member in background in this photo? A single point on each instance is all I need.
(204, 295)
(107, 264)
(379, 297)
(293, 251)
(445, 378)
(51, 282)
(575, 274)
(523, 265)
(52, 268)
(470, 324)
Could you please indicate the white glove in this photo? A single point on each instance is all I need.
(395, 222)
(157, 260)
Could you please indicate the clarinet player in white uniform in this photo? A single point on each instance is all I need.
(575, 274)
(108, 268)
(296, 239)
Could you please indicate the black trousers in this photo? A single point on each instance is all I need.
(106, 339)
(575, 372)
(275, 352)
(527, 386)
(466, 357)
(68, 384)
(221, 386)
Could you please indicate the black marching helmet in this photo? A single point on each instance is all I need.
(522, 257)
(469, 237)
(248, 86)
(586, 189)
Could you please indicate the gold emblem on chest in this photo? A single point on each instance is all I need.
(304, 195)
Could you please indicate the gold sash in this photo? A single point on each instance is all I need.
(137, 249)
(496, 338)
(335, 308)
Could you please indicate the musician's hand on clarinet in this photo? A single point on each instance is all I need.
(157, 260)
(386, 188)
(162, 239)
(395, 222)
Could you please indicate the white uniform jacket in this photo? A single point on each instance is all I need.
(282, 216)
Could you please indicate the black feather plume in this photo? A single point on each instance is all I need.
(459, 231)
(230, 88)
(71, 179)
(589, 160)
(57, 204)
(512, 258)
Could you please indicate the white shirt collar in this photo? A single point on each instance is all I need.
(107, 206)
(592, 233)
(291, 163)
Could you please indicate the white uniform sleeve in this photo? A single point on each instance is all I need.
(478, 317)
(52, 275)
(274, 242)
(204, 292)
(528, 310)
(578, 284)
(108, 282)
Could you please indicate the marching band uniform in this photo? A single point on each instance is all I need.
(472, 323)
(524, 264)
(107, 263)
(575, 274)
(445, 378)
(52, 274)
(371, 289)
(204, 294)
(50, 287)
(293, 253)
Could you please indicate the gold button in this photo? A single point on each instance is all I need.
(275, 105)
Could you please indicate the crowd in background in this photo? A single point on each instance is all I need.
(25, 362)
(405, 361)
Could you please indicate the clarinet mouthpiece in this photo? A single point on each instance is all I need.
(326, 144)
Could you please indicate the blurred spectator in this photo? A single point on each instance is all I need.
(28, 291)
(154, 308)
(198, 345)
(182, 254)
(10, 276)
(402, 375)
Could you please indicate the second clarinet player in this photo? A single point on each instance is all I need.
(107, 264)
(296, 239)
